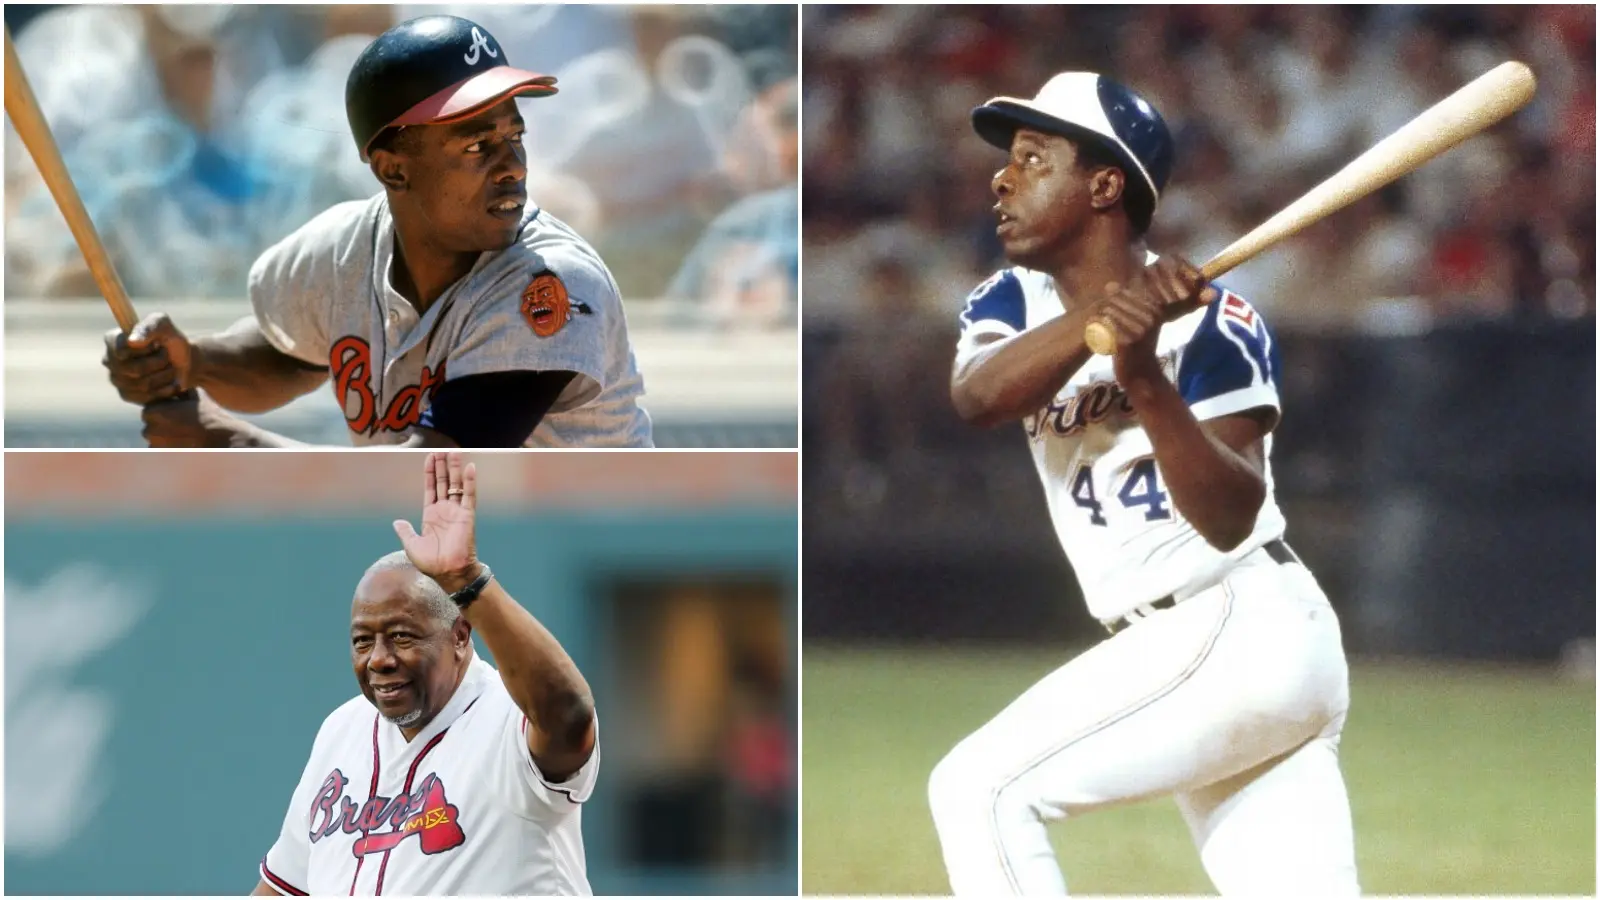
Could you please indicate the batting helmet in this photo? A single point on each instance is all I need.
(429, 71)
(1088, 106)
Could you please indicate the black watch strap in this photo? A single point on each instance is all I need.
(464, 597)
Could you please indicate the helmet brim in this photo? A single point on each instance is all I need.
(998, 120)
(468, 97)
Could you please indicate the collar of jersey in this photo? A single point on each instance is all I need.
(389, 299)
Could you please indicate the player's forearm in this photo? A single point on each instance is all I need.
(1216, 488)
(243, 372)
(538, 673)
(1018, 376)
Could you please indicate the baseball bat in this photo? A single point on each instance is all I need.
(23, 108)
(1474, 107)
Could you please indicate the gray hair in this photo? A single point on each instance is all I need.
(433, 597)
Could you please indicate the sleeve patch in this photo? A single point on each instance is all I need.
(547, 307)
(1236, 309)
(1231, 350)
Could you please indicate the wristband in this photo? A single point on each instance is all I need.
(464, 597)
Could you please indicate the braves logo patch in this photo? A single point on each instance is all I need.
(425, 813)
(546, 306)
(437, 825)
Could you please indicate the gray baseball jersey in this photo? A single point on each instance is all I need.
(323, 295)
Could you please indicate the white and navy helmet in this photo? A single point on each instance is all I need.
(1089, 106)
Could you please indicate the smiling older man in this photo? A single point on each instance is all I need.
(447, 775)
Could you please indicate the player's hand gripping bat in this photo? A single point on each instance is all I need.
(1476, 106)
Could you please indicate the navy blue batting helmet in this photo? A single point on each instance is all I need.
(430, 71)
(1089, 106)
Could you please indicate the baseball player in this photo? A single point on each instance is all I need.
(1223, 681)
(444, 776)
(445, 311)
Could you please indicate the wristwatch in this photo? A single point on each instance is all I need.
(464, 597)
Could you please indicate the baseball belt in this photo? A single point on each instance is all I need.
(1276, 548)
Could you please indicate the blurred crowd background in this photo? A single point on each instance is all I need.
(177, 629)
(200, 135)
(1435, 457)
(1265, 101)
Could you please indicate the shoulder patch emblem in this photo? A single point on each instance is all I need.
(545, 304)
(1234, 307)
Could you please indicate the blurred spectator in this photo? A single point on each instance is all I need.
(746, 266)
(201, 135)
(1264, 102)
(178, 205)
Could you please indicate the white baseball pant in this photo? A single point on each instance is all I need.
(1233, 701)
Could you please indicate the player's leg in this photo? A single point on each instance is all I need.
(1280, 830)
(987, 803)
(1198, 693)
(1136, 716)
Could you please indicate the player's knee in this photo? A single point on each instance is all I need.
(957, 788)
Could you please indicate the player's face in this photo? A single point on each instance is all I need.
(1043, 198)
(406, 661)
(469, 180)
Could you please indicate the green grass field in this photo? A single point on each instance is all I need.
(1462, 780)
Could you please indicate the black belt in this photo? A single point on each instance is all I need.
(1276, 548)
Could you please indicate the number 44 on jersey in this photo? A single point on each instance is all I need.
(1141, 487)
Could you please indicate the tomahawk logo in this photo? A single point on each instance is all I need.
(426, 813)
(56, 729)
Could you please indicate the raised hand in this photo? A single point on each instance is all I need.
(446, 550)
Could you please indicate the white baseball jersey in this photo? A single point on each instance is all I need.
(1126, 541)
(324, 295)
(461, 809)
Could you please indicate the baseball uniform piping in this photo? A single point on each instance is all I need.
(370, 795)
(570, 795)
(278, 884)
(1164, 690)
(410, 776)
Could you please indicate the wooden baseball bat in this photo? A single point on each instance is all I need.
(23, 108)
(1479, 104)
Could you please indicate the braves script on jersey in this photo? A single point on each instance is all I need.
(460, 809)
(1127, 543)
(324, 295)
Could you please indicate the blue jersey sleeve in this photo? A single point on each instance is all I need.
(1231, 363)
(997, 306)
